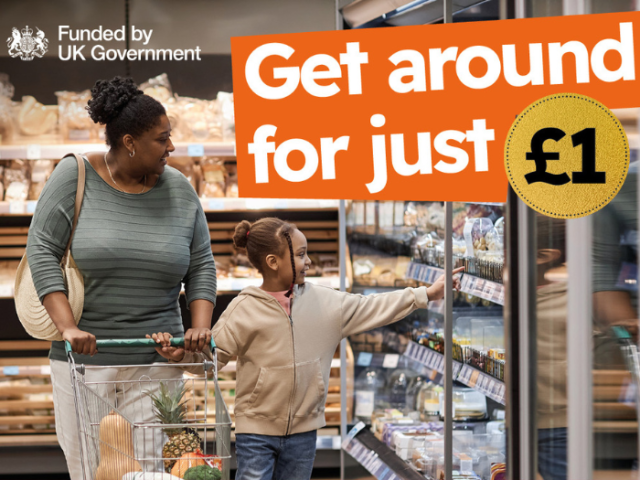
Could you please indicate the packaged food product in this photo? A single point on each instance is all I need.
(1, 182)
(475, 230)
(179, 130)
(40, 171)
(228, 123)
(158, 87)
(75, 123)
(187, 167)
(6, 114)
(214, 178)
(16, 180)
(201, 118)
(35, 118)
(232, 180)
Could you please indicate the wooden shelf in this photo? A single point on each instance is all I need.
(55, 148)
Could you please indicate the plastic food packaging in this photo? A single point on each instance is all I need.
(214, 178)
(16, 181)
(6, 114)
(40, 171)
(225, 103)
(186, 166)
(232, 181)
(36, 119)
(200, 118)
(158, 87)
(75, 123)
(179, 130)
(468, 404)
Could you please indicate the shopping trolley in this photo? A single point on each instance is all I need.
(120, 436)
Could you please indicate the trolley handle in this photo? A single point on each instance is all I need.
(136, 342)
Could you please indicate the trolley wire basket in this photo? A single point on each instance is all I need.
(150, 422)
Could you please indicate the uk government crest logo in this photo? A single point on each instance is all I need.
(25, 45)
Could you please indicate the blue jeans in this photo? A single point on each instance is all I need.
(266, 457)
(552, 453)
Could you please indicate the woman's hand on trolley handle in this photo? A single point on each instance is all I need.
(81, 342)
(58, 308)
(436, 291)
(175, 354)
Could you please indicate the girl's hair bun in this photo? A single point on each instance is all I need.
(110, 97)
(240, 237)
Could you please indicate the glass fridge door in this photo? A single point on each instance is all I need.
(400, 369)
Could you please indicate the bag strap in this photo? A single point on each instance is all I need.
(78, 203)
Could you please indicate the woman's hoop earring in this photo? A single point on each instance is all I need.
(132, 154)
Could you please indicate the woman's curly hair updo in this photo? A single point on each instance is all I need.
(123, 109)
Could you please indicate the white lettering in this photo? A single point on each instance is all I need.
(493, 67)
(627, 69)
(416, 72)
(309, 75)
(536, 68)
(353, 59)
(557, 51)
(437, 59)
(252, 72)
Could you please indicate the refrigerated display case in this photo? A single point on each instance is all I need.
(400, 369)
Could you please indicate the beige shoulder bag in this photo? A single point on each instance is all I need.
(32, 314)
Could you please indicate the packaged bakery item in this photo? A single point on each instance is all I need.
(16, 180)
(214, 178)
(468, 405)
(179, 131)
(187, 167)
(411, 215)
(6, 113)
(201, 118)
(228, 123)
(75, 123)
(475, 230)
(158, 87)
(232, 180)
(35, 118)
(40, 171)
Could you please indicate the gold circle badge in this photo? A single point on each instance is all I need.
(566, 155)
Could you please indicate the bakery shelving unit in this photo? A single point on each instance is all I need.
(26, 406)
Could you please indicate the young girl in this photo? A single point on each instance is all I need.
(284, 334)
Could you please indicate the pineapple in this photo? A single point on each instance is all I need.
(170, 408)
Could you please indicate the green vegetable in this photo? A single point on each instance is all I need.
(202, 472)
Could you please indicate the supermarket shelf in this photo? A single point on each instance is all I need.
(208, 205)
(243, 204)
(34, 151)
(491, 387)
(377, 360)
(479, 287)
(486, 384)
(431, 359)
(225, 285)
(50, 440)
(376, 457)
(229, 285)
(26, 371)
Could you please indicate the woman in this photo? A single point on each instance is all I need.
(141, 234)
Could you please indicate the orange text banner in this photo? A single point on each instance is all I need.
(413, 113)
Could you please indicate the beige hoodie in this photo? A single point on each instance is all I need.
(284, 362)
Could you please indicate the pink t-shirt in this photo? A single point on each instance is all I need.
(282, 300)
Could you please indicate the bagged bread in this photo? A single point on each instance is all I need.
(36, 119)
(75, 123)
(214, 178)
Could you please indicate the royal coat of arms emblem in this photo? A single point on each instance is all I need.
(25, 45)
